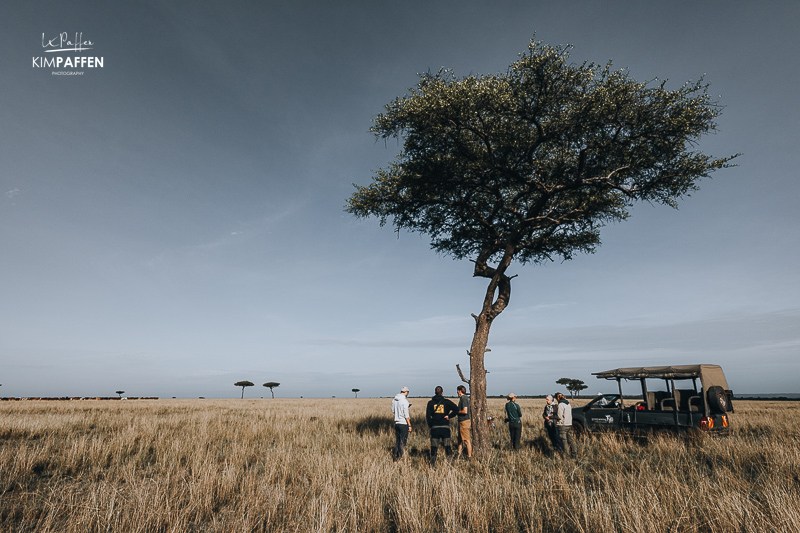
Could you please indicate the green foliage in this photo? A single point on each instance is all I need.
(243, 384)
(272, 385)
(531, 163)
(574, 386)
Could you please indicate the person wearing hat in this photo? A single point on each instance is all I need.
(564, 424)
(514, 419)
(402, 422)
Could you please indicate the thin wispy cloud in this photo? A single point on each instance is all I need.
(243, 235)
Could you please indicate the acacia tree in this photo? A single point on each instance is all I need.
(120, 393)
(356, 391)
(272, 385)
(243, 384)
(574, 386)
(527, 166)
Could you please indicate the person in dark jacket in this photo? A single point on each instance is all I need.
(550, 416)
(514, 419)
(438, 414)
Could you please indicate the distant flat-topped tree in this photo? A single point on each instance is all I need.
(243, 384)
(356, 391)
(528, 165)
(272, 385)
(574, 386)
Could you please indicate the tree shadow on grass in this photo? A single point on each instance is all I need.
(369, 425)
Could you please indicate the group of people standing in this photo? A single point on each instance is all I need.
(440, 411)
(438, 414)
(558, 423)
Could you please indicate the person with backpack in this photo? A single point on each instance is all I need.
(438, 414)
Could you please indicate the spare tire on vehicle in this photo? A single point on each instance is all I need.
(717, 399)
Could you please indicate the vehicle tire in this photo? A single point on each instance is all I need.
(717, 399)
(578, 429)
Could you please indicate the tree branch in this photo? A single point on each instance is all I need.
(465, 380)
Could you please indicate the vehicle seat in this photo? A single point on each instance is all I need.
(651, 401)
(659, 397)
(694, 403)
(688, 400)
(670, 404)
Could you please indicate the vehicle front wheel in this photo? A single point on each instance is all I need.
(578, 429)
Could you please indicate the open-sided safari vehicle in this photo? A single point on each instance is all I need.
(687, 396)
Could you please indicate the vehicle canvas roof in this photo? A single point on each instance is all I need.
(710, 375)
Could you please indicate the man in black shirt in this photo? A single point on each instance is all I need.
(438, 414)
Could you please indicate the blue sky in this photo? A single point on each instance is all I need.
(173, 221)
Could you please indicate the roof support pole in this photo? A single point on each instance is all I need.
(675, 399)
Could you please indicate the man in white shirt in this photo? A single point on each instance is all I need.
(402, 422)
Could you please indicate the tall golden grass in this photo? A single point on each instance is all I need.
(325, 465)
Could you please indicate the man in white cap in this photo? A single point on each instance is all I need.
(402, 422)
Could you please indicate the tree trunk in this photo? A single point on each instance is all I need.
(481, 443)
(495, 300)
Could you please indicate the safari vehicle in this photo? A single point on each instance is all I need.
(679, 397)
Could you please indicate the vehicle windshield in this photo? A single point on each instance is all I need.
(605, 400)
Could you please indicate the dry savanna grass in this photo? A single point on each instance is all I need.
(325, 465)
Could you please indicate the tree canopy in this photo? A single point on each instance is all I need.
(272, 385)
(574, 386)
(243, 384)
(533, 162)
(528, 165)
